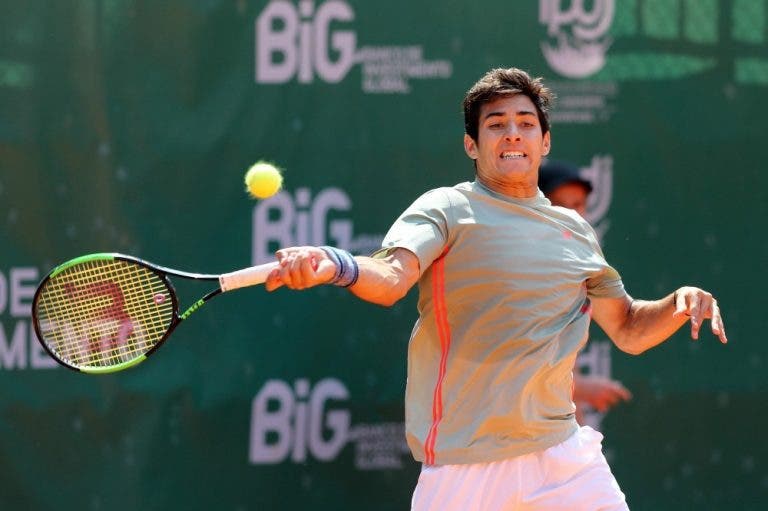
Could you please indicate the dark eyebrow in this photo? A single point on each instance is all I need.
(503, 114)
(494, 114)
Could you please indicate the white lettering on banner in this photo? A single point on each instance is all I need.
(581, 52)
(13, 354)
(284, 220)
(389, 69)
(583, 102)
(38, 357)
(302, 42)
(298, 425)
(291, 422)
(3, 293)
(379, 446)
(19, 347)
(600, 174)
(18, 291)
(299, 43)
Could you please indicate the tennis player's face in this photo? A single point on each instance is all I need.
(509, 146)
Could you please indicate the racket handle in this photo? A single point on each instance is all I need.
(246, 277)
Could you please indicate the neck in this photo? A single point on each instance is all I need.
(523, 189)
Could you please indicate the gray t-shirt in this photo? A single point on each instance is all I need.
(503, 310)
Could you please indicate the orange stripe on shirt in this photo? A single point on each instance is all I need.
(444, 333)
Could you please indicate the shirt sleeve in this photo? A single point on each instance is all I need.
(423, 229)
(606, 283)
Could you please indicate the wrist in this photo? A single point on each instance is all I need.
(347, 270)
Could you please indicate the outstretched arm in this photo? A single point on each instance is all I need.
(382, 281)
(637, 325)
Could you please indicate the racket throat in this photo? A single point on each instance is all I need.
(192, 308)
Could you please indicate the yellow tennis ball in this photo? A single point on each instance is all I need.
(263, 180)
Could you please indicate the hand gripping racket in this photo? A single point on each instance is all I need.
(102, 313)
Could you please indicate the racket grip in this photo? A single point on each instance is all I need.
(246, 277)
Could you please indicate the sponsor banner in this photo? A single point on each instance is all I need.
(303, 218)
(19, 347)
(593, 47)
(295, 422)
(318, 41)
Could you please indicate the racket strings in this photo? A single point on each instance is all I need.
(109, 332)
(104, 312)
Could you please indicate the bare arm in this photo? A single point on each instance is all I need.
(385, 281)
(382, 281)
(637, 325)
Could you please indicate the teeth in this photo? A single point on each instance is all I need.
(512, 155)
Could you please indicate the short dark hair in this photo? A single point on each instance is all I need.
(498, 83)
(555, 173)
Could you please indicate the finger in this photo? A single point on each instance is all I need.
(694, 311)
(615, 396)
(273, 280)
(286, 274)
(704, 312)
(601, 404)
(612, 399)
(680, 305)
(296, 270)
(718, 328)
(694, 304)
(308, 269)
(304, 268)
(275, 275)
(623, 392)
(608, 394)
(282, 254)
(723, 337)
(716, 320)
(720, 333)
(695, 326)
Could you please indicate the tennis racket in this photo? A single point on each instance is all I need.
(102, 313)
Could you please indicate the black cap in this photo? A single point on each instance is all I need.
(553, 173)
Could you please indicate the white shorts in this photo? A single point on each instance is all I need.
(572, 475)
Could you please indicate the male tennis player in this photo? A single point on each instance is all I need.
(561, 182)
(505, 280)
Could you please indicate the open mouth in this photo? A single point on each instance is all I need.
(512, 155)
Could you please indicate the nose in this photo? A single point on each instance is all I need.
(512, 132)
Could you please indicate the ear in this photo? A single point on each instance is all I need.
(470, 147)
(546, 143)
